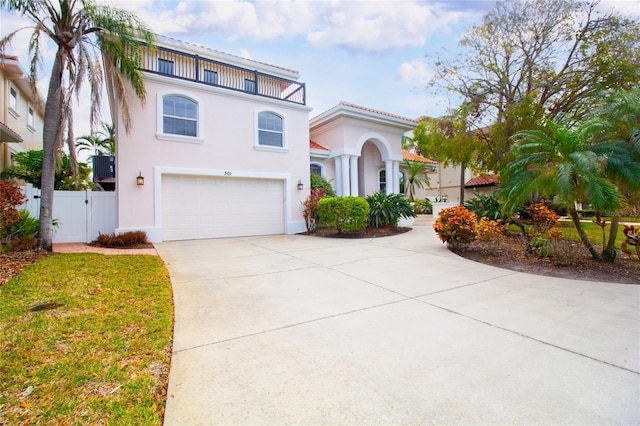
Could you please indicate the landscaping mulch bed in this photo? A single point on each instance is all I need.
(511, 254)
(365, 233)
(11, 264)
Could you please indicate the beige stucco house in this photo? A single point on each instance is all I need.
(21, 109)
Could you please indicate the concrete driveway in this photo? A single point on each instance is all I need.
(396, 330)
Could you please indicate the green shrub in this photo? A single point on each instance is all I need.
(488, 206)
(318, 181)
(456, 226)
(423, 206)
(344, 213)
(126, 239)
(385, 210)
(559, 209)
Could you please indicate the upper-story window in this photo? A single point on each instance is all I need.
(31, 120)
(270, 129)
(165, 66)
(210, 76)
(179, 116)
(13, 99)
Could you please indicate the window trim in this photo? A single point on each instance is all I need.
(31, 117)
(257, 144)
(160, 134)
(14, 102)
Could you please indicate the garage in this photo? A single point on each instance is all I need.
(195, 207)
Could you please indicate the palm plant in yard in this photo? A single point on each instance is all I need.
(416, 176)
(566, 163)
(622, 111)
(85, 34)
(100, 143)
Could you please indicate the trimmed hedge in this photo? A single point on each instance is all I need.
(344, 213)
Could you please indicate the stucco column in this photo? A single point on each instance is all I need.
(389, 177)
(396, 177)
(353, 171)
(338, 164)
(345, 175)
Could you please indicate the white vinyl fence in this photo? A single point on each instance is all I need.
(81, 215)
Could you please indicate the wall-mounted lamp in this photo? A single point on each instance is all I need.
(300, 185)
(445, 198)
(140, 179)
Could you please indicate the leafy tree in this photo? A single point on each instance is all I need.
(416, 176)
(449, 141)
(563, 162)
(85, 33)
(28, 167)
(534, 58)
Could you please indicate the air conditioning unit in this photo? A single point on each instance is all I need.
(104, 172)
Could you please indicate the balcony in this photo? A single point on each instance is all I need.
(190, 67)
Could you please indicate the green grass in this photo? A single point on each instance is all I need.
(102, 357)
(593, 231)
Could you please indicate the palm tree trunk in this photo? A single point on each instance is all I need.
(583, 236)
(462, 168)
(51, 127)
(609, 252)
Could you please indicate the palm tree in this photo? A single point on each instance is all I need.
(563, 162)
(416, 175)
(85, 34)
(622, 110)
(91, 143)
(100, 143)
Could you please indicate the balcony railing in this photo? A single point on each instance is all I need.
(189, 67)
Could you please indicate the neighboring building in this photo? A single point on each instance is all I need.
(446, 184)
(222, 144)
(21, 109)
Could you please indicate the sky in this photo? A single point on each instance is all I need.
(377, 54)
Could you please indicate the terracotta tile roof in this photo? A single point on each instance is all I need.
(314, 145)
(410, 156)
(10, 57)
(8, 133)
(388, 114)
(483, 180)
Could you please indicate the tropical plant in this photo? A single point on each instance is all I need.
(386, 210)
(310, 208)
(563, 162)
(621, 109)
(543, 218)
(456, 226)
(11, 197)
(485, 205)
(28, 167)
(318, 181)
(344, 213)
(416, 175)
(423, 206)
(491, 231)
(85, 33)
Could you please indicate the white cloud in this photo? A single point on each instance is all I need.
(369, 26)
(416, 72)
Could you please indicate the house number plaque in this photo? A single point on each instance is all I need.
(227, 173)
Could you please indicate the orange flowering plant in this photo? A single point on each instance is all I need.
(456, 226)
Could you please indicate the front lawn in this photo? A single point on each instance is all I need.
(86, 339)
(593, 231)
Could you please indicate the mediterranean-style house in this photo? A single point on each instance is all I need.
(223, 146)
(21, 109)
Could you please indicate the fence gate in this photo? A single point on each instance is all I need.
(81, 215)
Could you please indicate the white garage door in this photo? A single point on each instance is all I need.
(211, 207)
